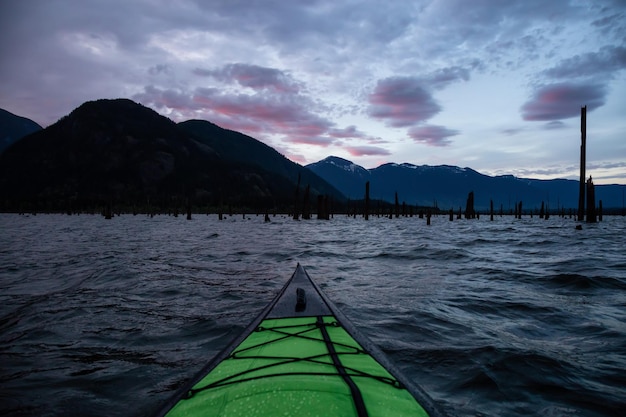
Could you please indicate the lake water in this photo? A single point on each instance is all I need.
(505, 318)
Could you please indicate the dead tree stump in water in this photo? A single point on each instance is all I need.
(451, 213)
(469, 206)
(491, 210)
(591, 202)
(397, 206)
(600, 210)
(322, 207)
(306, 210)
(108, 211)
(367, 201)
(296, 202)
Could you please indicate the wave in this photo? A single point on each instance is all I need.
(583, 282)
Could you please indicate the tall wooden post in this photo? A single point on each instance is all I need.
(583, 161)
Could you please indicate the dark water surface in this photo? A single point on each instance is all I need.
(504, 318)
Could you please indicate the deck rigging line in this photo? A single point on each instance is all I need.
(347, 373)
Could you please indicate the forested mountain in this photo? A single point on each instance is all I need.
(120, 152)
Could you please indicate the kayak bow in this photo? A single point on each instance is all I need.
(301, 357)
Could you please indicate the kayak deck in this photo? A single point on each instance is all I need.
(300, 357)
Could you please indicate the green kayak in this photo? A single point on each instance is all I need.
(300, 357)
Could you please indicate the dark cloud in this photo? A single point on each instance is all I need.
(252, 76)
(402, 101)
(562, 101)
(432, 135)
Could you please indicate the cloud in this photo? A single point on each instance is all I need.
(432, 135)
(402, 101)
(444, 76)
(603, 63)
(311, 140)
(555, 124)
(349, 132)
(563, 100)
(512, 131)
(160, 69)
(252, 76)
(366, 150)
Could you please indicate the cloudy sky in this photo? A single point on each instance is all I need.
(492, 85)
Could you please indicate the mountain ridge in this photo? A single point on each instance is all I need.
(447, 186)
(14, 127)
(122, 152)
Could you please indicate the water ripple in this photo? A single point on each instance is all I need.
(494, 318)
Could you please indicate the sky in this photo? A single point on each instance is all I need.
(493, 85)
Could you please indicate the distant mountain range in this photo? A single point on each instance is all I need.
(447, 186)
(120, 152)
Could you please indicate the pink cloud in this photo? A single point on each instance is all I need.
(562, 101)
(366, 150)
(310, 140)
(432, 135)
(402, 101)
(263, 114)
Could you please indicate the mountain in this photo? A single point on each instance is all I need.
(448, 186)
(122, 152)
(348, 177)
(245, 150)
(13, 128)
